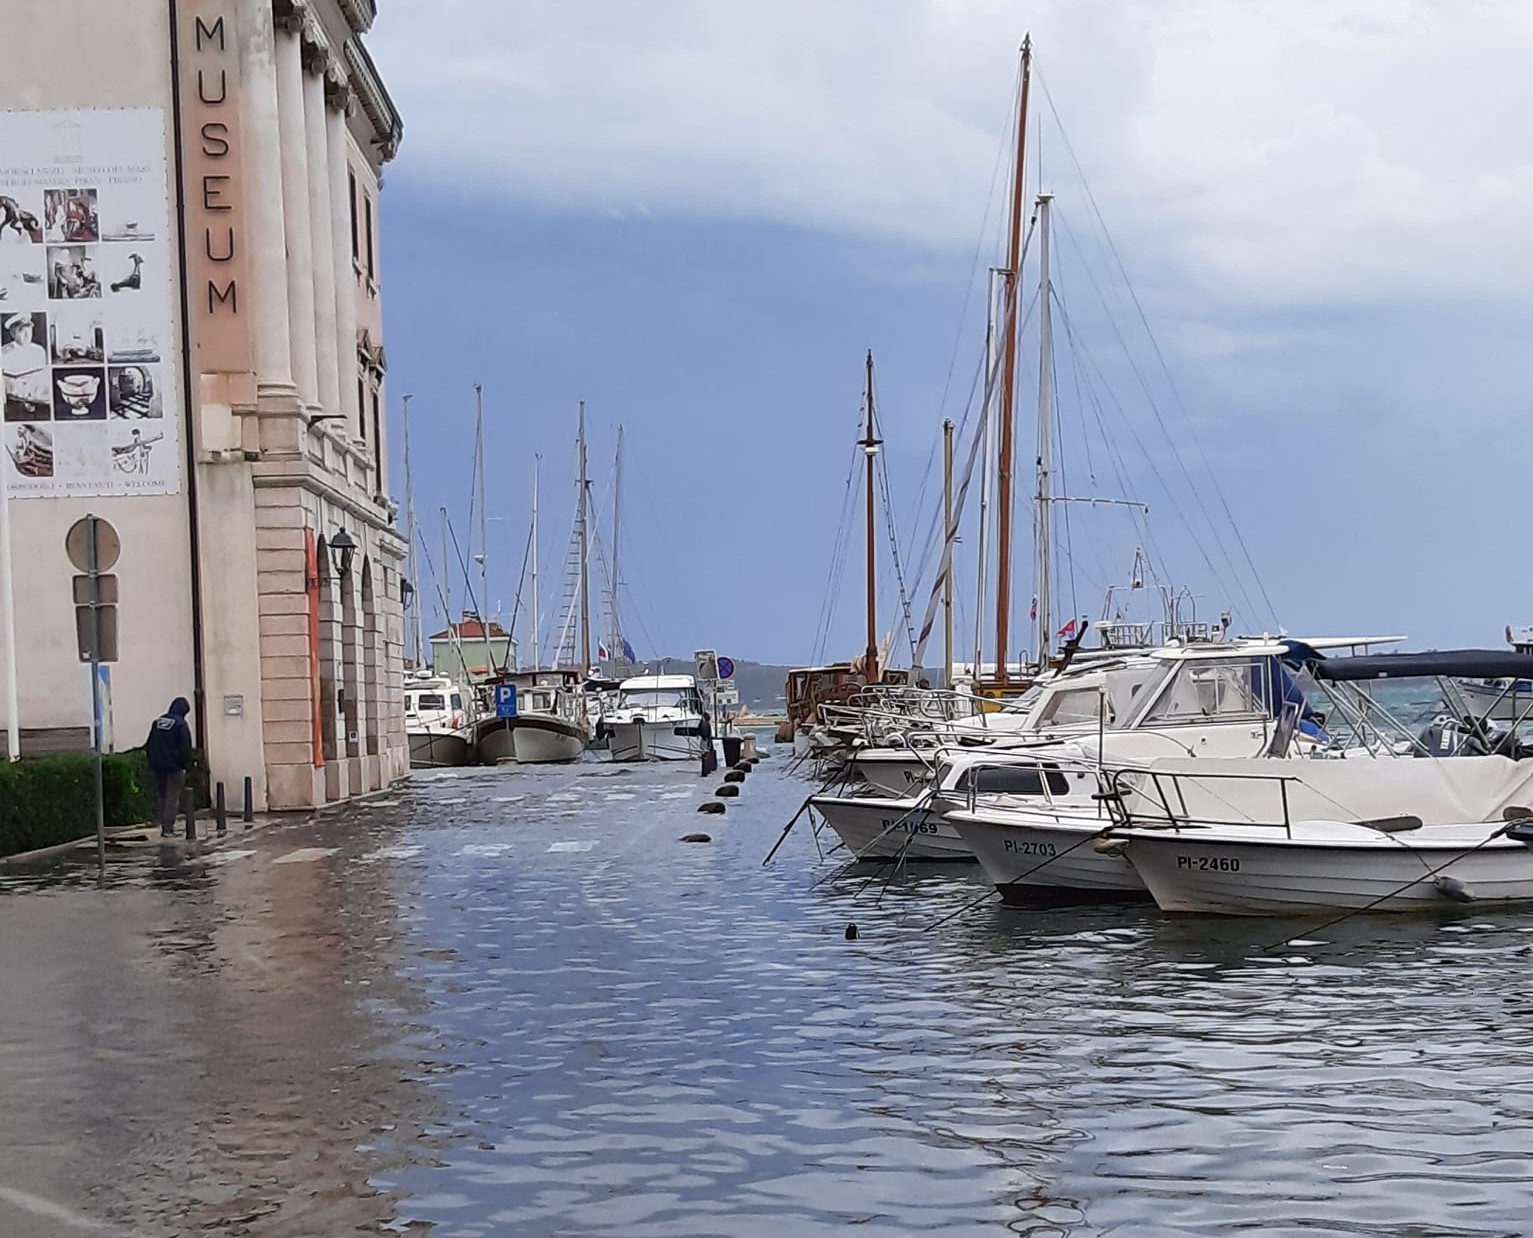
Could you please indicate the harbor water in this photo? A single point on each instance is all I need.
(514, 1002)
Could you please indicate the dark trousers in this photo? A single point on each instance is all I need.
(167, 796)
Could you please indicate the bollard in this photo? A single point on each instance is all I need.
(189, 807)
(220, 810)
(249, 814)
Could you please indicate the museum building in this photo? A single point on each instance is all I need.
(191, 350)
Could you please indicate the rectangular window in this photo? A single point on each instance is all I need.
(362, 409)
(377, 435)
(367, 206)
(356, 251)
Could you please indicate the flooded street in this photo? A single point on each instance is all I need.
(512, 1002)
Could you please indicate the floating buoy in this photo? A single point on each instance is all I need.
(1453, 888)
(711, 806)
(728, 791)
(734, 775)
(696, 838)
(851, 932)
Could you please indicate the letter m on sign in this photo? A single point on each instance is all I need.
(208, 34)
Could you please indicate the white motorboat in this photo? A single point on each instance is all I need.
(883, 829)
(1046, 853)
(436, 724)
(656, 718)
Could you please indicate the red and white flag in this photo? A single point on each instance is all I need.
(1068, 630)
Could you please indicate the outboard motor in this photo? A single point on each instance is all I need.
(1454, 737)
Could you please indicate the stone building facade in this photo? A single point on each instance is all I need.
(195, 191)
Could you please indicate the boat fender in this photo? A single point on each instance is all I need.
(734, 775)
(712, 806)
(1109, 846)
(728, 791)
(696, 838)
(851, 932)
(1452, 888)
(1519, 831)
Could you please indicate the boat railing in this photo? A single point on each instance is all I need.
(1157, 799)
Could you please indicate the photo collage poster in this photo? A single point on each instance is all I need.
(87, 348)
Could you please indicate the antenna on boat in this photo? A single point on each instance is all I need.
(1008, 375)
(870, 443)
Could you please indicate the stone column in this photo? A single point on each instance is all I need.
(295, 209)
(336, 146)
(263, 210)
(322, 235)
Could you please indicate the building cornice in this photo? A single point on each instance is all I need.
(360, 14)
(388, 129)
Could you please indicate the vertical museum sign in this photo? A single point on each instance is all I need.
(213, 187)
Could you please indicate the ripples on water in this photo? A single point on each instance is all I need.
(514, 1003)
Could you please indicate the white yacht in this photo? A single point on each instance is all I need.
(436, 723)
(656, 718)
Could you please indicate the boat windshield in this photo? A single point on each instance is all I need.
(654, 698)
(1072, 708)
(430, 700)
(1216, 690)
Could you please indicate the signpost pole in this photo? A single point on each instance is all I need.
(91, 571)
(8, 601)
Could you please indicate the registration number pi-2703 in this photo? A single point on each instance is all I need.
(1208, 863)
(1018, 847)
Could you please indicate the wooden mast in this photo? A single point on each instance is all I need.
(870, 668)
(1008, 375)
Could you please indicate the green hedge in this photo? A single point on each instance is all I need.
(48, 800)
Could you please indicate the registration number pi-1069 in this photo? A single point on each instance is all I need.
(1208, 863)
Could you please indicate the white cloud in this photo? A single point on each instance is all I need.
(1277, 152)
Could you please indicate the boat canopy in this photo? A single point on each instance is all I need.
(1453, 663)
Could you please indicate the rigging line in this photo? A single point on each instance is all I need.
(1149, 395)
(1001, 150)
(516, 605)
(1064, 483)
(837, 565)
(1080, 404)
(894, 550)
(1114, 456)
(1150, 462)
(1155, 345)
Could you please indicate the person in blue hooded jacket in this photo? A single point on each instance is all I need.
(169, 749)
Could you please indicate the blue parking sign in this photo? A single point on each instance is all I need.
(505, 700)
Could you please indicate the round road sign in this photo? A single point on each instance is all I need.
(108, 545)
(726, 667)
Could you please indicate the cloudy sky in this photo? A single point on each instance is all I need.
(1292, 246)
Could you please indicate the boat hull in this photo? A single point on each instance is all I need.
(892, 771)
(1258, 877)
(653, 741)
(496, 741)
(438, 749)
(547, 742)
(1047, 858)
(873, 828)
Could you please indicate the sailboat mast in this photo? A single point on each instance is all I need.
(1045, 414)
(536, 653)
(585, 598)
(987, 420)
(1008, 375)
(870, 440)
(484, 549)
(446, 573)
(410, 564)
(947, 542)
(615, 644)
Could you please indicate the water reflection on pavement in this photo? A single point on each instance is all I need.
(513, 1002)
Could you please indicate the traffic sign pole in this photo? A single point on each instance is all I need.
(91, 570)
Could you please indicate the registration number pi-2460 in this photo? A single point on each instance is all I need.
(1208, 863)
